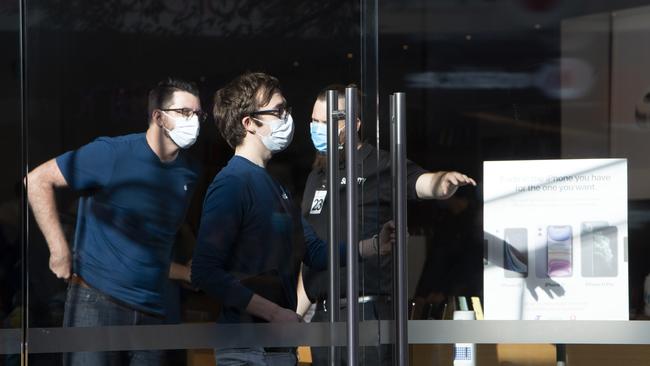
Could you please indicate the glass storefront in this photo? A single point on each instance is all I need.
(544, 104)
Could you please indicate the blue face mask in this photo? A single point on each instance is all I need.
(319, 136)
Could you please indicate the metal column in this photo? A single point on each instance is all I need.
(398, 164)
(333, 235)
(351, 115)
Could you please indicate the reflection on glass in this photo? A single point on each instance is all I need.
(515, 252)
(485, 80)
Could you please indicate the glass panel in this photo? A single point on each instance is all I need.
(91, 67)
(524, 81)
(11, 291)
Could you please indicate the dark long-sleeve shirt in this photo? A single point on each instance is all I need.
(252, 240)
(375, 201)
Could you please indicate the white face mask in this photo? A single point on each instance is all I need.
(281, 134)
(186, 131)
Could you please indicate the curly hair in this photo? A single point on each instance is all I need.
(242, 96)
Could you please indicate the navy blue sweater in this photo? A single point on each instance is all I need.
(252, 240)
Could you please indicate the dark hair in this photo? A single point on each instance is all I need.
(161, 95)
(242, 96)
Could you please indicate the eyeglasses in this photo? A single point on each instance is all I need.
(188, 113)
(280, 113)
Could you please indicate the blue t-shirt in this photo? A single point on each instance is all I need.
(131, 208)
(252, 240)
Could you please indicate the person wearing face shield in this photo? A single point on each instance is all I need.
(376, 273)
(252, 239)
(135, 191)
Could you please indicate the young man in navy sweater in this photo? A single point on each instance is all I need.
(252, 238)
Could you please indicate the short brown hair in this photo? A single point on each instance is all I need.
(242, 96)
(161, 95)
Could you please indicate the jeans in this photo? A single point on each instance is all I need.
(253, 357)
(87, 307)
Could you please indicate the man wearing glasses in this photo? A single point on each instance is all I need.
(135, 190)
(252, 238)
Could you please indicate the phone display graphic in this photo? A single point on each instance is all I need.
(559, 245)
(599, 246)
(515, 252)
(541, 261)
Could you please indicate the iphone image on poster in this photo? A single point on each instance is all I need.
(515, 252)
(599, 247)
(540, 252)
(559, 250)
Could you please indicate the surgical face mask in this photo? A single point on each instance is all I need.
(319, 136)
(185, 132)
(281, 134)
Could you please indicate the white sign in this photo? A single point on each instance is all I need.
(556, 239)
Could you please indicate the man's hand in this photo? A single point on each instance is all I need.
(379, 245)
(387, 238)
(440, 185)
(449, 182)
(181, 272)
(283, 315)
(270, 311)
(60, 265)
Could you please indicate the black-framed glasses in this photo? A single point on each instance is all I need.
(280, 113)
(188, 113)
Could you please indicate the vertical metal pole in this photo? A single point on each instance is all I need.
(560, 354)
(395, 198)
(333, 234)
(24, 168)
(351, 113)
(393, 166)
(401, 279)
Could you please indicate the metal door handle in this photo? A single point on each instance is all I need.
(398, 166)
(351, 116)
(333, 235)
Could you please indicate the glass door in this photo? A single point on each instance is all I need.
(93, 76)
(12, 296)
(520, 84)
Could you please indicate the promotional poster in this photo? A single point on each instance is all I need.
(556, 239)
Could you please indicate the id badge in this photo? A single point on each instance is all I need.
(317, 203)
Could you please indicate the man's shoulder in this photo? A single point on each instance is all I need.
(123, 139)
(372, 156)
(120, 142)
(227, 186)
(227, 177)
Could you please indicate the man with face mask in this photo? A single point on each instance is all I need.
(135, 191)
(376, 203)
(252, 239)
